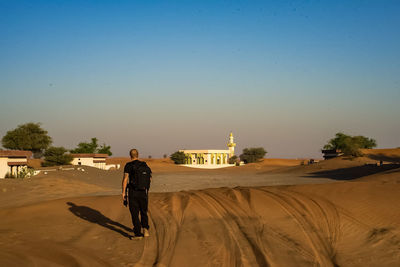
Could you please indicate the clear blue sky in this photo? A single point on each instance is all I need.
(165, 75)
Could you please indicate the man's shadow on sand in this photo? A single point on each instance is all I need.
(94, 216)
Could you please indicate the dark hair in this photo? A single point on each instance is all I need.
(134, 153)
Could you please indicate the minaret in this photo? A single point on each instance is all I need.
(231, 145)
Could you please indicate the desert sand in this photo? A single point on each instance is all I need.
(274, 213)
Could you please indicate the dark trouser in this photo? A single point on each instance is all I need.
(138, 202)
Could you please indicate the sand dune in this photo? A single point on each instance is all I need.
(77, 218)
(389, 154)
(341, 224)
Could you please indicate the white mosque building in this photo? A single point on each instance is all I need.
(212, 158)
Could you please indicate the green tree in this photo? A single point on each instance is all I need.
(54, 156)
(178, 157)
(92, 147)
(364, 142)
(29, 136)
(233, 159)
(252, 154)
(350, 145)
(85, 147)
(104, 149)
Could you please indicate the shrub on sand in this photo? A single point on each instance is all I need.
(252, 154)
(178, 157)
(56, 156)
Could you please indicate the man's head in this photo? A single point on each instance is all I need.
(134, 153)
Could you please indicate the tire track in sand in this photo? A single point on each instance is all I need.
(261, 237)
(268, 236)
(299, 210)
(165, 219)
(237, 203)
(251, 254)
(322, 211)
(241, 228)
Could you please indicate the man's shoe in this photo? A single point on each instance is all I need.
(137, 237)
(146, 232)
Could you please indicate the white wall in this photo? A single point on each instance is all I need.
(100, 165)
(4, 168)
(90, 162)
(83, 161)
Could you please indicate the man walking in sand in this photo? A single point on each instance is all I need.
(136, 180)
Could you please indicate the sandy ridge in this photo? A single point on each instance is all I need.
(65, 218)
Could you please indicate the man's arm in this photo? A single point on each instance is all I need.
(125, 179)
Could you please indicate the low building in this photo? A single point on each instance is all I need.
(88, 159)
(13, 162)
(331, 153)
(210, 158)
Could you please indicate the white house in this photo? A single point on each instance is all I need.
(210, 158)
(13, 161)
(93, 160)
